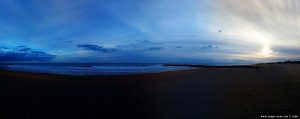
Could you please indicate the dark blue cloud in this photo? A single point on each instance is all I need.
(97, 48)
(145, 42)
(3, 48)
(206, 47)
(24, 54)
(23, 49)
(155, 48)
(287, 50)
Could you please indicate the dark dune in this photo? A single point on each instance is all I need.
(205, 92)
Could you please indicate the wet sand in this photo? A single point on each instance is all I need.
(207, 92)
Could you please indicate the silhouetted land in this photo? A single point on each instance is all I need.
(204, 92)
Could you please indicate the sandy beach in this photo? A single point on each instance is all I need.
(216, 92)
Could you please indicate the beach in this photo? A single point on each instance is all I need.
(204, 92)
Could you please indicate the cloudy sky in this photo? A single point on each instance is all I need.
(193, 31)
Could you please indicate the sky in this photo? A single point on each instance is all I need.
(149, 31)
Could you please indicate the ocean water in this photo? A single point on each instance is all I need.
(92, 68)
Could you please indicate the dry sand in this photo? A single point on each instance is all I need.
(193, 94)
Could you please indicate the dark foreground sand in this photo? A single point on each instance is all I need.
(194, 94)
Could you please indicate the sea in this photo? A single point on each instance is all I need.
(91, 68)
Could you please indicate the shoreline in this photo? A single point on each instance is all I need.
(97, 69)
(254, 66)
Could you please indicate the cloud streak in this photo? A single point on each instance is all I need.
(155, 48)
(24, 54)
(97, 48)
